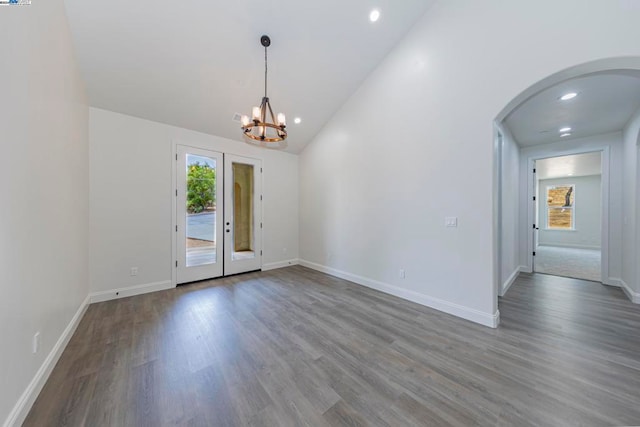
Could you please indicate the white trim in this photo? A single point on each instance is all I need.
(23, 406)
(526, 269)
(570, 245)
(486, 319)
(279, 264)
(497, 194)
(615, 282)
(507, 284)
(634, 297)
(605, 203)
(174, 211)
(130, 291)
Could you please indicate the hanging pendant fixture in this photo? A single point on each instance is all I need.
(264, 128)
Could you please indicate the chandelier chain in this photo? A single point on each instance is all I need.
(265, 71)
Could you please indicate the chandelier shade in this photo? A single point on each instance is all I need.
(264, 128)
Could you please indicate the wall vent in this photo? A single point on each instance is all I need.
(237, 117)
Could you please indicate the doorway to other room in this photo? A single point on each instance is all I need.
(568, 216)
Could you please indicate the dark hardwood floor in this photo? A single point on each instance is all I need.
(294, 347)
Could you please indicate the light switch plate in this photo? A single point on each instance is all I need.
(35, 344)
(451, 221)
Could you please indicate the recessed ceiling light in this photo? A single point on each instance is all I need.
(564, 135)
(568, 96)
(374, 15)
(297, 120)
(565, 130)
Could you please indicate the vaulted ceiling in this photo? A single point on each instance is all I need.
(194, 64)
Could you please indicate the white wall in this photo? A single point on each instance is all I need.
(415, 144)
(131, 198)
(587, 214)
(44, 176)
(613, 142)
(509, 210)
(630, 189)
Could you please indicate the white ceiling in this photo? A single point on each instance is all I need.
(194, 64)
(575, 165)
(604, 104)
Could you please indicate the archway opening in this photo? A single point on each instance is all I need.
(598, 117)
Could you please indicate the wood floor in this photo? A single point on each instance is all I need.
(294, 347)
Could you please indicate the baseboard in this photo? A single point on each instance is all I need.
(129, 291)
(570, 245)
(486, 319)
(526, 269)
(613, 281)
(634, 297)
(507, 284)
(23, 406)
(280, 264)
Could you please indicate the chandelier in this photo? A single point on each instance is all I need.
(264, 128)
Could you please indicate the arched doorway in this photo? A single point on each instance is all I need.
(620, 200)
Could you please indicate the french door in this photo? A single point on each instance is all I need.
(242, 215)
(218, 211)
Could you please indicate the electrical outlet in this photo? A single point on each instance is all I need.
(451, 221)
(401, 274)
(134, 271)
(35, 344)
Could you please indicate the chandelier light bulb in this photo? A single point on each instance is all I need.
(256, 113)
(245, 120)
(282, 121)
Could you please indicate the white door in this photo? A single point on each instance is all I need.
(199, 211)
(536, 215)
(242, 214)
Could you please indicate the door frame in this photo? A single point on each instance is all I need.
(604, 201)
(174, 201)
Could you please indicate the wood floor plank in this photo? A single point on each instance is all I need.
(293, 347)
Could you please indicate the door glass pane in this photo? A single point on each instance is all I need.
(201, 210)
(243, 232)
